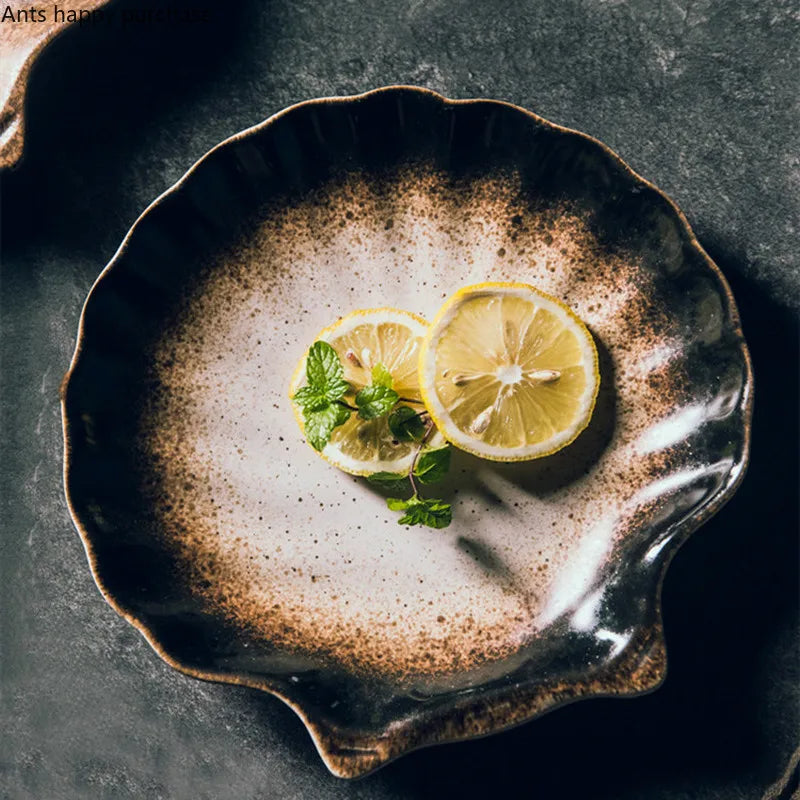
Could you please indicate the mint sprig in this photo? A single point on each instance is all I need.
(324, 409)
(391, 481)
(320, 422)
(406, 424)
(324, 371)
(429, 465)
(321, 398)
(422, 511)
(375, 401)
(432, 465)
(379, 398)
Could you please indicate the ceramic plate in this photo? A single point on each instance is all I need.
(24, 33)
(245, 558)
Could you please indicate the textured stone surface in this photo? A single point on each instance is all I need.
(700, 97)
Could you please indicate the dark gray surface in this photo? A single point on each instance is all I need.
(699, 97)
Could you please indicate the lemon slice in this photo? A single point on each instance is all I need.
(362, 340)
(508, 373)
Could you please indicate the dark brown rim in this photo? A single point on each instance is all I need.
(642, 670)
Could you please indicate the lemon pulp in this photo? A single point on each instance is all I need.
(508, 373)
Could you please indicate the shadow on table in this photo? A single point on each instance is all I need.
(98, 96)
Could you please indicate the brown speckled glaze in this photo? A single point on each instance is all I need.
(245, 558)
(22, 41)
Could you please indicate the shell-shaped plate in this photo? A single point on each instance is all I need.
(244, 558)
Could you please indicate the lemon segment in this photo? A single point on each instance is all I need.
(508, 373)
(363, 339)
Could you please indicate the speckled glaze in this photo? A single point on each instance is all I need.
(22, 41)
(244, 558)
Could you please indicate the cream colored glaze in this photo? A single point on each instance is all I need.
(311, 558)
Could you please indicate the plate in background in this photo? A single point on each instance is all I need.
(23, 40)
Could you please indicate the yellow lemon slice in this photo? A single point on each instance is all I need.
(508, 373)
(363, 339)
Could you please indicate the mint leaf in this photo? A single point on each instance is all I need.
(394, 481)
(318, 399)
(381, 376)
(309, 398)
(432, 465)
(422, 511)
(397, 503)
(378, 398)
(431, 512)
(320, 422)
(324, 371)
(375, 401)
(337, 389)
(406, 424)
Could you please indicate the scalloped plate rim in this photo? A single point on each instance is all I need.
(330, 742)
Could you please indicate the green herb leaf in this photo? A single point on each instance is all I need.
(432, 465)
(381, 376)
(422, 511)
(324, 371)
(397, 503)
(406, 424)
(393, 481)
(375, 401)
(311, 399)
(319, 423)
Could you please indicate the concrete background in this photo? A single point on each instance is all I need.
(700, 97)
